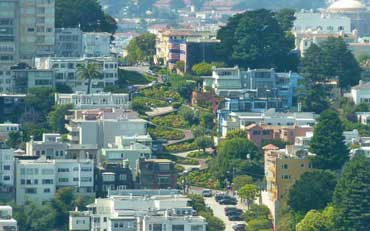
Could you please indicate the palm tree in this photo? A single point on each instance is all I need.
(89, 72)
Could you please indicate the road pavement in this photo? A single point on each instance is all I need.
(218, 211)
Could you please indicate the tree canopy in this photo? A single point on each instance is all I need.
(352, 197)
(317, 221)
(256, 39)
(88, 14)
(141, 48)
(328, 142)
(314, 190)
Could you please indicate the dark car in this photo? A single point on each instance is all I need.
(234, 212)
(228, 201)
(218, 197)
(235, 218)
(240, 227)
(226, 209)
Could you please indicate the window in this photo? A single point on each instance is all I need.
(285, 177)
(178, 228)
(47, 171)
(63, 180)
(123, 177)
(86, 179)
(284, 166)
(30, 190)
(6, 178)
(47, 181)
(6, 167)
(75, 178)
(86, 169)
(63, 169)
(75, 169)
(47, 190)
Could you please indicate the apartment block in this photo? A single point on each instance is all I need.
(7, 222)
(11, 105)
(81, 100)
(229, 121)
(253, 90)
(68, 42)
(139, 210)
(66, 71)
(6, 169)
(282, 169)
(38, 179)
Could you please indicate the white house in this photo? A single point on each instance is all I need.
(6, 128)
(50, 146)
(318, 21)
(6, 169)
(81, 100)
(7, 222)
(239, 120)
(134, 210)
(361, 93)
(101, 127)
(96, 44)
(38, 180)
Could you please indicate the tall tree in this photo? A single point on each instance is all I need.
(328, 142)
(141, 48)
(313, 94)
(340, 62)
(255, 39)
(240, 181)
(286, 18)
(89, 72)
(314, 190)
(352, 196)
(87, 14)
(56, 118)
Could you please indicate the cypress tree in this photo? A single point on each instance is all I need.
(352, 196)
(328, 142)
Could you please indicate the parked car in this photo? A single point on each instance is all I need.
(234, 212)
(227, 209)
(239, 227)
(218, 197)
(207, 193)
(235, 218)
(228, 201)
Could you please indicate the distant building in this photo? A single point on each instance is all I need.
(113, 177)
(188, 46)
(253, 90)
(101, 126)
(361, 93)
(239, 120)
(7, 169)
(68, 42)
(96, 44)
(65, 69)
(19, 81)
(157, 174)
(27, 29)
(260, 134)
(7, 222)
(11, 106)
(282, 169)
(363, 117)
(138, 210)
(356, 11)
(37, 180)
(6, 128)
(81, 100)
(129, 150)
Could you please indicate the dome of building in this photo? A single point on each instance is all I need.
(346, 6)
